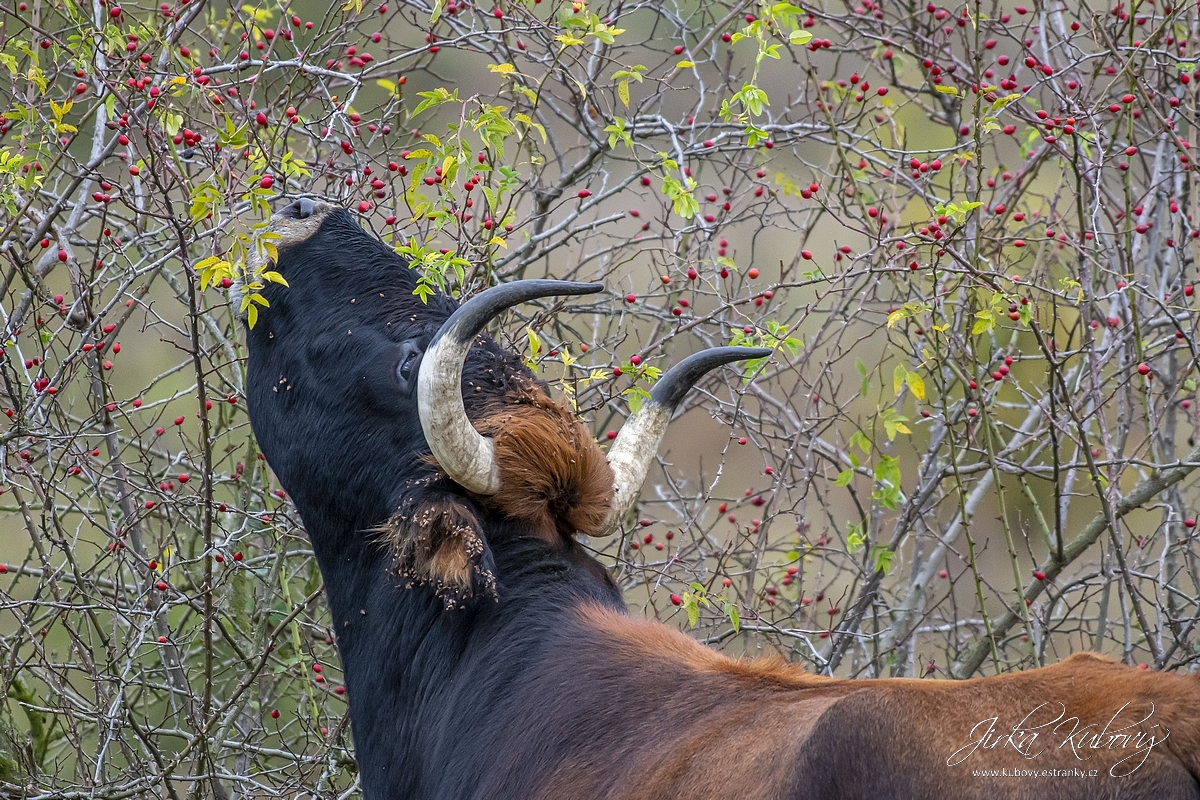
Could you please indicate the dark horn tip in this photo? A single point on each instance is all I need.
(473, 315)
(674, 385)
(298, 209)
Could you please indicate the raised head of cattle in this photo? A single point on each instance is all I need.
(487, 655)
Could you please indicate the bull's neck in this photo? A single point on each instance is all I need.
(412, 667)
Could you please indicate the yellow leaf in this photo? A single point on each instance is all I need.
(272, 252)
(684, 64)
(502, 69)
(623, 92)
(498, 241)
(896, 316)
(900, 426)
(177, 81)
(946, 89)
(916, 385)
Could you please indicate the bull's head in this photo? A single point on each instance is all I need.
(379, 412)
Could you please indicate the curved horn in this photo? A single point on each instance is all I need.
(465, 455)
(635, 447)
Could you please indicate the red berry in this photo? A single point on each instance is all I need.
(676, 600)
(1041, 576)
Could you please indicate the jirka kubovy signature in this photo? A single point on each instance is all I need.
(1031, 737)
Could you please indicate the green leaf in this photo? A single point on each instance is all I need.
(844, 477)
(691, 604)
(893, 423)
(635, 396)
(800, 38)
(899, 374)
(946, 89)
(434, 98)
(855, 538)
(882, 558)
(172, 123)
(735, 619)
(984, 321)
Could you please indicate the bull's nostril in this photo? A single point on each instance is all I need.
(305, 208)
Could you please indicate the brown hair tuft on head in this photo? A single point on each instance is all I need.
(555, 477)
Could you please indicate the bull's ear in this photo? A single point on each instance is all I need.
(436, 540)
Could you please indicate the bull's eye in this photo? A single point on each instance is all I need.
(408, 365)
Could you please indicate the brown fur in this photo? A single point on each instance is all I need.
(436, 541)
(681, 721)
(554, 477)
(555, 480)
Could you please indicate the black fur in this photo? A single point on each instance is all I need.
(340, 431)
